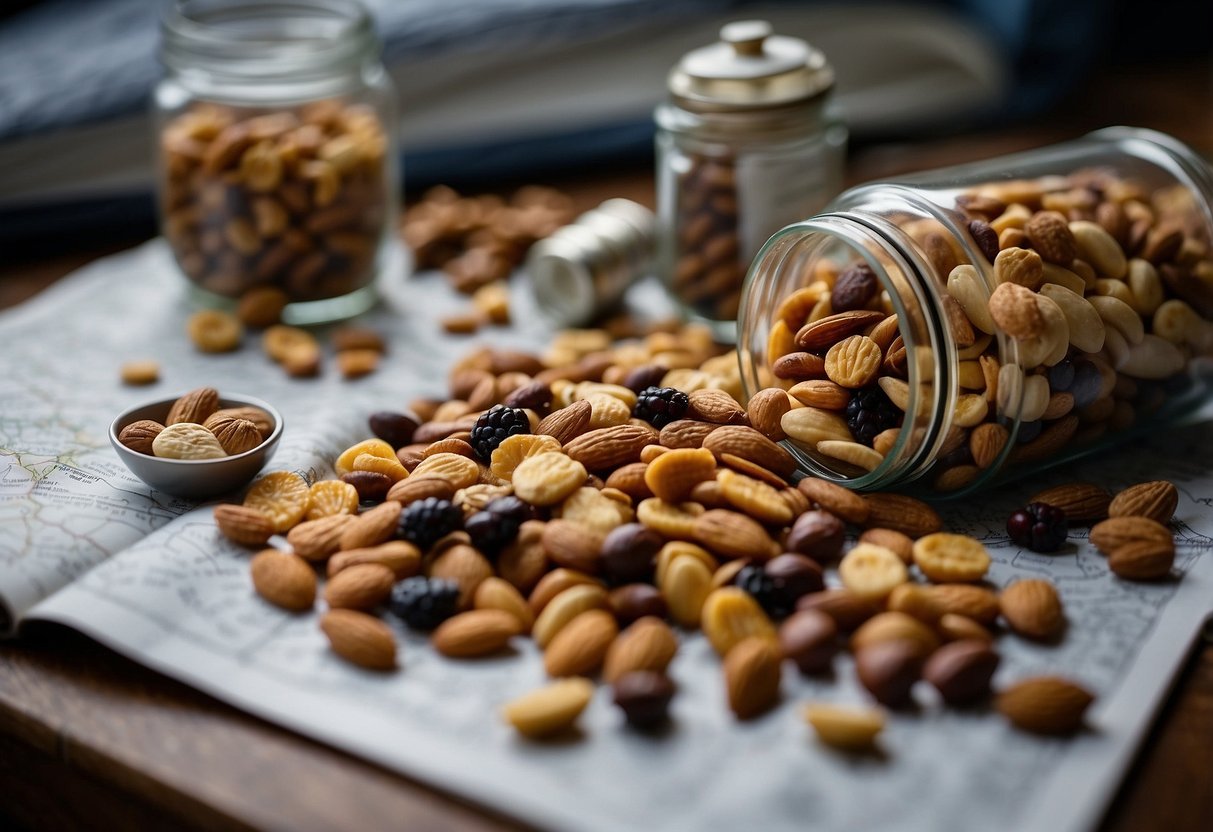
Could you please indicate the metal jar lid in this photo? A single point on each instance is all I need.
(584, 269)
(749, 69)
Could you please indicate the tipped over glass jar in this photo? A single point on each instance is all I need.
(277, 152)
(950, 330)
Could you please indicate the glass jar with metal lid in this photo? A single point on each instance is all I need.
(745, 145)
(277, 170)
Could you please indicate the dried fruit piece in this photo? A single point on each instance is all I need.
(549, 710)
(729, 615)
(871, 571)
(214, 331)
(672, 475)
(331, 497)
(945, 557)
(139, 373)
(282, 496)
(850, 728)
(548, 478)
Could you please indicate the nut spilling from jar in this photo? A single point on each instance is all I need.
(1089, 298)
(293, 199)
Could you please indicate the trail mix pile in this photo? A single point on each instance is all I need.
(607, 498)
(1103, 288)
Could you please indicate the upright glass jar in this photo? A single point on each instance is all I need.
(277, 152)
(745, 145)
(946, 331)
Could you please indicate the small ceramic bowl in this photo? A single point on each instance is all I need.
(196, 479)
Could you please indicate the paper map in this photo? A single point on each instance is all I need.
(84, 543)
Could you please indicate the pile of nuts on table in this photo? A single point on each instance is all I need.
(1103, 288)
(293, 200)
(606, 498)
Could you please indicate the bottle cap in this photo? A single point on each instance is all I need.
(583, 269)
(750, 68)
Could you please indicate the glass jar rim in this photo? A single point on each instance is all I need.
(266, 39)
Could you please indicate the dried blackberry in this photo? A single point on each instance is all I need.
(492, 428)
(424, 603)
(1039, 527)
(754, 580)
(870, 412)
(496, 525)
(661, 405)
(424, 522)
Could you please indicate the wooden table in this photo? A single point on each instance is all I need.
(89, 739)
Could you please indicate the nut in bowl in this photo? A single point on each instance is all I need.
(198, 445)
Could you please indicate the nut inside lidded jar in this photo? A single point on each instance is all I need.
(745, 145)
(277, 152)
(954, 329)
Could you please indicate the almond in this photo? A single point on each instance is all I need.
(752, 676)
(573, 545)
(360, 639)
(554, 583)
(1081, 501)
(837, 500)
(847, 608)
(896, 542)
(475, 633)
(686, 433)
(371, 527)
(317, 539)
(824, 333)
(748, 443)
(195, 406)
(1033, 609)
(400, 556)
(498, 594)
(734, 535)
(821, 393)
(1115, 532)
(986, 443)
(242, 524)
(465, 566)
(607, 448)
(648, 644)
(359, 587)
(954, 627)
(567, 423)
(765, 410)
(414, 488)
(1045, 705)
(1143, 560)
(284, 580)
(1156, 501)
(895, 626)
(910, 516)
(565, 607)
(975, 602)
(580, 647)
(716, 407)
(799, 365)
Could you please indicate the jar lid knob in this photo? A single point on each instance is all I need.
(746, 36)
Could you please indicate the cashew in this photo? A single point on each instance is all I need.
(1153, 358)
(1147, 288)
(1086, 328)
(1099, 248)
(1118, 314)
(967, 288)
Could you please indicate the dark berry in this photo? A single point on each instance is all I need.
(754, 580)
(661, 405)
(870, 412)
(1087, 383)
(1029, 431)
(792, 577)
(424, 522)
(424, 603)
(1061, 376)
(854, 287)
(1039, 527)
(985, 237)
(493, 426)
(496, 525)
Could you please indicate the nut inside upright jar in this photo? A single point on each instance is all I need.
(292, 198)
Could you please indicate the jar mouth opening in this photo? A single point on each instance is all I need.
(267, 38)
